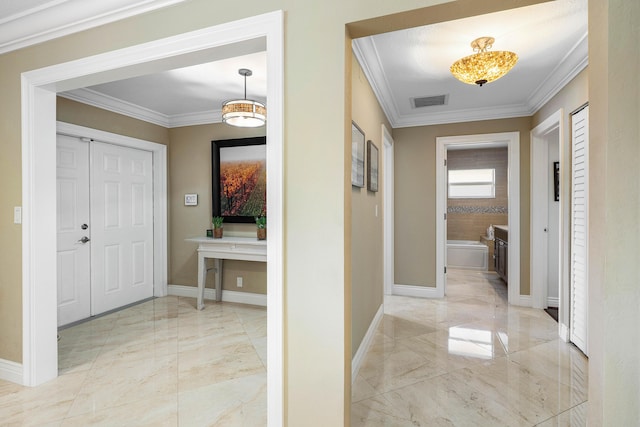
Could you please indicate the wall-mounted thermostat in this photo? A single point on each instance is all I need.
(191, 200)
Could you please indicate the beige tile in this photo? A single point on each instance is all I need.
(484, 364)
(126, 381)
(237, 402)
(162, 411)
(36, 406)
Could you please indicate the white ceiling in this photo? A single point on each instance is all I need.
(549, 38)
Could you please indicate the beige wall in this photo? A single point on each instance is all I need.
(614, 213)
(415, 195)
(190, 172)
(468, 219)
(366, 225)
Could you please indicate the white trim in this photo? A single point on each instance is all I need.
(553, 302)
(523, 301)
(109, 103)
(38, 182)
(63, 17)
(389, 206)
(563, 331)
(11, 371)
(358, 358)
(416, 291)
(512, 141)
(573, 63)
(227, 296)
(159, 152)
(538, 219)
(539, 244)
(576, 60)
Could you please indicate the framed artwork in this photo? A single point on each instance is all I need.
(372, 166)
(556, 181)
(357, 156)
(239, 178)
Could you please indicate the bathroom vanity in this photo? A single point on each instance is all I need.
(501, 251)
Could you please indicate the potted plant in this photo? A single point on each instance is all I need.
(261, 223)
(217, 227)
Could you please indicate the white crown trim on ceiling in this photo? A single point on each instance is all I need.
(573, 63)
(60, 18)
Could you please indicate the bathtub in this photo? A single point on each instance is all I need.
(467, 254)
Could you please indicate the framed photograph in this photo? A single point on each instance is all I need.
(357, 156)
(191, 200)
(239, 178)
(372, 166)
(556, 181)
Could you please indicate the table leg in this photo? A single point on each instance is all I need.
(202, 279)
(218, 278)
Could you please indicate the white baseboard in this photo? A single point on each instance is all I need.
(11, 371)
(553, 302)
(415, 291)
(227, 296)
(524, 301)
(358, 358)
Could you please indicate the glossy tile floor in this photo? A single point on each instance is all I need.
(159, 363)
(469, 360)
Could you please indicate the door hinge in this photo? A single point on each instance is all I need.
(445, 216)
(445, 162)
(445, 269)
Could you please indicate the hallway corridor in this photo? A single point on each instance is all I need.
(469, 360)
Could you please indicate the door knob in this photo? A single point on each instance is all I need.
(84, 226)
(84, 239)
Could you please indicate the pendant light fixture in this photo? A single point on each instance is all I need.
(483, 66)
(244, 112)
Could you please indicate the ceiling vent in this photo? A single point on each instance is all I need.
(429, 101)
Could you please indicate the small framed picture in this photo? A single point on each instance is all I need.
(357, 156)
(191, 200)
(372, 166)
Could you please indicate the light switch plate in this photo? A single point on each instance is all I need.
(191, 200)
(17, 215)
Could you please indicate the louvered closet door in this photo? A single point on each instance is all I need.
(579, 228)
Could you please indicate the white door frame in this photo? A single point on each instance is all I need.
(539, 213)
(39, 88)
(159, 153)
(388, 193)
(512, 141)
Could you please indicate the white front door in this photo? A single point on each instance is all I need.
(74, 251)
(122, 226)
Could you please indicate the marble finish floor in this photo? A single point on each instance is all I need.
(469, 360)
(159, 363)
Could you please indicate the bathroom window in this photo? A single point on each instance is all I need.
(472, 184)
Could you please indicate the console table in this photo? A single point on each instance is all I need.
(238, 248)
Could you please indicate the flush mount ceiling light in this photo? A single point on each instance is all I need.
(244, 112)
(483, 66)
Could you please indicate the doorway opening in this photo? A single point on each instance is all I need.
(39, 88)
(549, 228)
(477, 254)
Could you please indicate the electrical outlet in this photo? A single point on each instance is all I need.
(239, 281)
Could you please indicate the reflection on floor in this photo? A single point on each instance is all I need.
(160, 363)
(469, 360)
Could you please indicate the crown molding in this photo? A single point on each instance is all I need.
(576, 60)
(571, 65)
(105, 102)
(63, 17)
